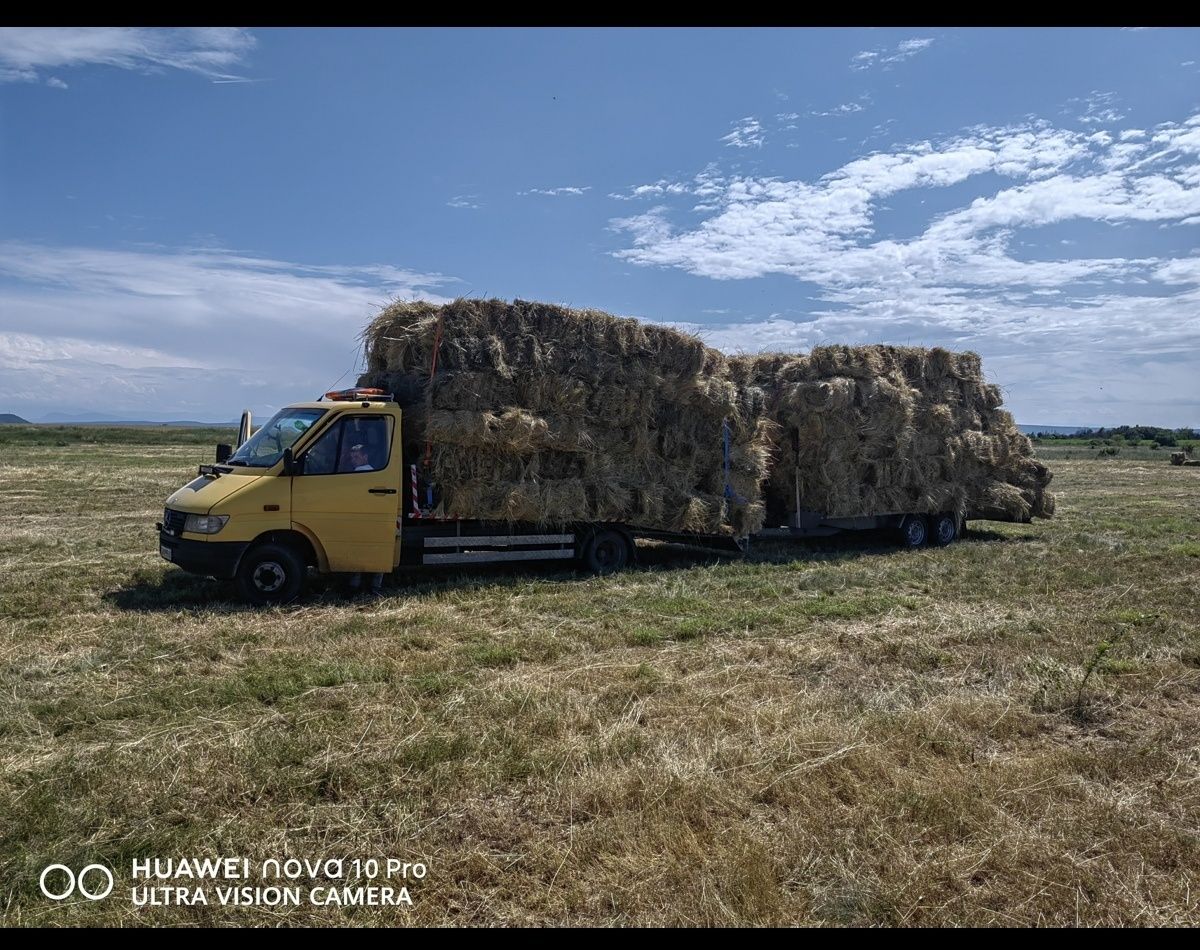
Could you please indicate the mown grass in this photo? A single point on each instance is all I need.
(1058, 450)
(64, 435)
(1005, 731)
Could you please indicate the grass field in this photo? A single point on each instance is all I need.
(1060, 451)
(1005, 731)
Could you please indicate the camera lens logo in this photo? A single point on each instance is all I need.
(76, 882)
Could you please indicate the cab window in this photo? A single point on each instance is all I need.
(352, 444)
(266, 446)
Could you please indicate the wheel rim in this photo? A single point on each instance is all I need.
(916, 532)
(946, 530)
(606, 553)
(268, 577)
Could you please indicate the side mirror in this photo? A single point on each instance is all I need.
(244, 428)
(223, 452)
(289, 462)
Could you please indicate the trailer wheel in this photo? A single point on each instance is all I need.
(914, 532)
(606, 552)
(270, 574)
(945, 530)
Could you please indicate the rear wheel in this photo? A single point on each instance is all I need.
(945, 530)
(914, 532)
(270, 574)
(606, 552)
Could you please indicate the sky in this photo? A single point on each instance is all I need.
(197, 221)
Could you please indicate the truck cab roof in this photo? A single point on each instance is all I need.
(343, 404)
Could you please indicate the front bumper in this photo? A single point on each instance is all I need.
(211, 558)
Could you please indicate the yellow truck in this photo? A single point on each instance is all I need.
(326, 485)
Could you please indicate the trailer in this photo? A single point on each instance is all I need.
(912, 529)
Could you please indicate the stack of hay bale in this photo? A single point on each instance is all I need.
(867, 430)
(529, 412)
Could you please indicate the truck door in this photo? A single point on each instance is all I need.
(346, 491)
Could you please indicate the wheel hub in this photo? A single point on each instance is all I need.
(269, 577)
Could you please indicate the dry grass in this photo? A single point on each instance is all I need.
(832, 734)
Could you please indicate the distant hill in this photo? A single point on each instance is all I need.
(98, 419)
(10, 419)
(77, 416)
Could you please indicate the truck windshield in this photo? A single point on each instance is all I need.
(265, 447)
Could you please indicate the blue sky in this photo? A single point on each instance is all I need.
(197, 221)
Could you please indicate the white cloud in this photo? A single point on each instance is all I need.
(912, 47)
(555, 192)
(703, 185)
(960, 280)
(463, 201)
(196, 332)
(1099, 108)
(647, 229)
(18, 350)
(887, 58)
(210, 51)
(1184, 270)
(846, 108)
(747, 133)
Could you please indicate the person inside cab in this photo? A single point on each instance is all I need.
(360, 460)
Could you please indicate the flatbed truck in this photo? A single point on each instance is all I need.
(328, 486)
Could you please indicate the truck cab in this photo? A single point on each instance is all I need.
(317, 486)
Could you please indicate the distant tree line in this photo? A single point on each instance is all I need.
(1130, 435)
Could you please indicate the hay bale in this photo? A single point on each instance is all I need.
(873, 429)
(544, 414)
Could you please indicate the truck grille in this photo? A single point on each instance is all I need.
(173, 521)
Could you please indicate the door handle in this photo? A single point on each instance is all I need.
(382, 491)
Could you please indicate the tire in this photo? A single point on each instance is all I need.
(943, 530)
(914, 532)
(606, 552)
(270, 574)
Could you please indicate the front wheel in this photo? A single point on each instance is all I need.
(606, 552)
(270, 574)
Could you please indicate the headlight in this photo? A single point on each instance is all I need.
(205, 524)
